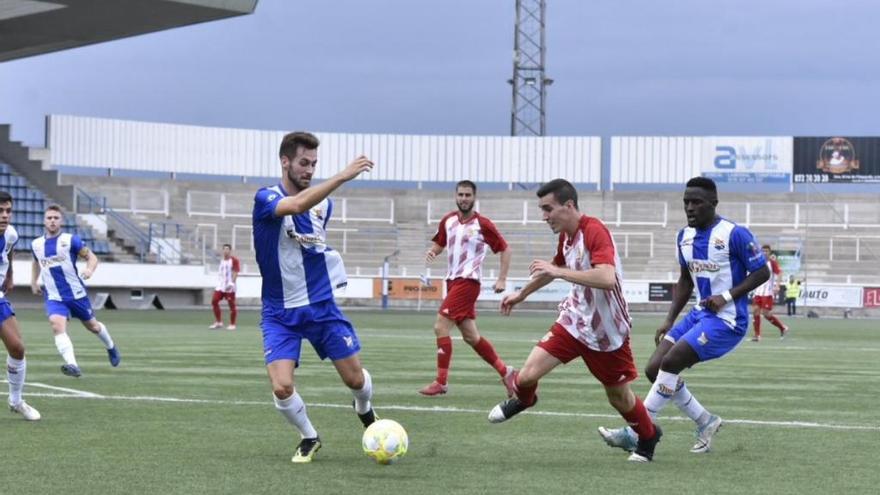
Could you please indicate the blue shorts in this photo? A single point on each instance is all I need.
(6, 311)
(710, 336)
(81, 309)
(329, 332)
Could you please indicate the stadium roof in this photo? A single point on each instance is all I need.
(34, 27)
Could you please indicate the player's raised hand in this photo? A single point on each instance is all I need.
(541, 268)
(714, 303)
(85, 274)
(358, 165)
(661, 332)
(509, 301)
(500, 285)
(430, 255)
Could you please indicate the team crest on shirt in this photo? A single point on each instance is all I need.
(718, 243)
(686, 242)
(319, 212)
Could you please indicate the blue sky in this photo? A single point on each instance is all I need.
(622, 67)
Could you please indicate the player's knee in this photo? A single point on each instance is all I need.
(282, 390)
(527, 377)
(15, 349)
(651, 371)
(354, 382)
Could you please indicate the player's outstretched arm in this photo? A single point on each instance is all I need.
(305, 199)
(750, 283)
(598, 277)
(511, 300)
(681, 294)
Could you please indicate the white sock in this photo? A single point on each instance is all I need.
(294, 410)
(661, 392)
(15, 372)
(104, 335)
(362, 397)
(689, 404)
(65, 348)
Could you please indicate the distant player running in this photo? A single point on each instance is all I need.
(55, 276)
(722, 260)
(300, 273)
(465, 234)
(16, 365)
(762, 300)
(593, 322)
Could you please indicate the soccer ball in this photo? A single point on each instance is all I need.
(385, 441)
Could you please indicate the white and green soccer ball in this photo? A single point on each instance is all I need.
(385, 441)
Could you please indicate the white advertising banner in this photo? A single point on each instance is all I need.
(830, 296)
(746, 159)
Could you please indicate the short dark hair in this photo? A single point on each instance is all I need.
(54, 207)
(228, 246)
(294, 140)
(703, 183)
(562, 190)
(466, 183)
(767, 247)
(5, 197)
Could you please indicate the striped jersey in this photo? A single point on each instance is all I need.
(57, 258)
(297, 266)
(7, 244)
(767, 288)
(719, 258)
(465, 243)
(596, 317)
(225, 281)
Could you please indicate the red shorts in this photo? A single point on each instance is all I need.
(461, 299)
(764, 302)
(610, 368)
(219, 296)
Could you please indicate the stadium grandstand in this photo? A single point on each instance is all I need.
(145, 201)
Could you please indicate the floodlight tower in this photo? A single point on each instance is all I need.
(527, 112)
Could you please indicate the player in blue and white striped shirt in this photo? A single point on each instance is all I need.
(300, 273)
(16, 365)
(724, 263)
(55, 276)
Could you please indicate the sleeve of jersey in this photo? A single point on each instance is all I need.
(746, 249)
(440, 237)
(678, 249)
(236, 266)
(774, 265)
(492, 236)
(559, 259)
(598, 241)
(76, 245)
(264, 204)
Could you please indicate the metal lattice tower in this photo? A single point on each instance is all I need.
(528, 111)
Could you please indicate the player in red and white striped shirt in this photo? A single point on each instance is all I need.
(762, 300)
(593, 321)
(466, 235)
(227, 274)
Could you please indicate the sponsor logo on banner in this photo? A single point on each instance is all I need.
(837, 156)
(830, 296)
(836, 159)
(871, 298)
(409, 288)
(747, 159)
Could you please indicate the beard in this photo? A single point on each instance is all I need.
(464, 210)
(299, 183)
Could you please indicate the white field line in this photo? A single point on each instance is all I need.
(434, 409)
(70, 391)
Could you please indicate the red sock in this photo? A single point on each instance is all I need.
(756, 321)
(526, 395)
(487, 352)
(639, 419)
(444, 356)
(775, 321)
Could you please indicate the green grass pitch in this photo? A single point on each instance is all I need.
(189, 411)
